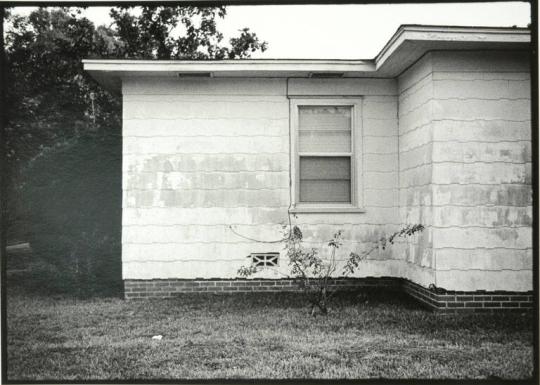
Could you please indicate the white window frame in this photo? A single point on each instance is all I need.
(356, 204)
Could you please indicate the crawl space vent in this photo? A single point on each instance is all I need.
(264, 259)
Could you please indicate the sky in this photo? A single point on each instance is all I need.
(349, 31)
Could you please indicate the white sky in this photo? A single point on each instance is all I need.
(352, 31)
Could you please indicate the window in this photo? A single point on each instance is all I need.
(325, 137)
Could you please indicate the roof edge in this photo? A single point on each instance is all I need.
(401, 31)
(420, 38)
(413, 31)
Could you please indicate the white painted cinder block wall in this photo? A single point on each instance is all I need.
(200, 155)
(379, 174)
(465, 162)
(415, 165)
(447, 145)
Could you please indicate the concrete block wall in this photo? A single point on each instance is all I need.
(377, 141)
(416, 165)
(447, 144)
(200, 155)
(468, 175)
(482, 197)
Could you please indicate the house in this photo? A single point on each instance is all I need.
(435, 130)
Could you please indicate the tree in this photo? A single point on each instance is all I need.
(63, 133)
(49, 95)
(60, 127)
(150, 35)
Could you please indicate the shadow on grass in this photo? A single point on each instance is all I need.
(37, 278)
(368, 334)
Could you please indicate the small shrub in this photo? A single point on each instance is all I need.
(313, 274)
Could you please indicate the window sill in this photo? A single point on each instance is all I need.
(326, 209)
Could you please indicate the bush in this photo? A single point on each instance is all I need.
(73, 198)
(313, 273)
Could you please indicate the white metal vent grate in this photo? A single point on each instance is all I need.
(265, 259)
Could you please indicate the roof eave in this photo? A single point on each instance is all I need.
(416, 32)
(408, 44)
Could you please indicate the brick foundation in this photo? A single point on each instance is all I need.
(166, 288)
(441, 301)
(450, 302)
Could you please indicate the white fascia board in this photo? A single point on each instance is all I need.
(262, 67)
(481, 35)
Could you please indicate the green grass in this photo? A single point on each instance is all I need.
(258, 336)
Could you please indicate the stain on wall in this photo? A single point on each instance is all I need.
(465, 161)
(416, 166)
(447, 144)
(202, 155)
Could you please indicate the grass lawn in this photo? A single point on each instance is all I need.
(258, 336)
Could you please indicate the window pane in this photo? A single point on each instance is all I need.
(325, 167)
(325, 179)
(324, 141)
(325, 117)
(324, 129)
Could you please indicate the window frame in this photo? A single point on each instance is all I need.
(356, 204)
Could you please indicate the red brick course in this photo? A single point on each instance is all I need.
(450, 302)
(163, 288)
(446, 302)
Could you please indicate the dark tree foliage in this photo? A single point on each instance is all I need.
(63, 142)
(64, 131)
(180, 33)
(73, 196)
(48, 100)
